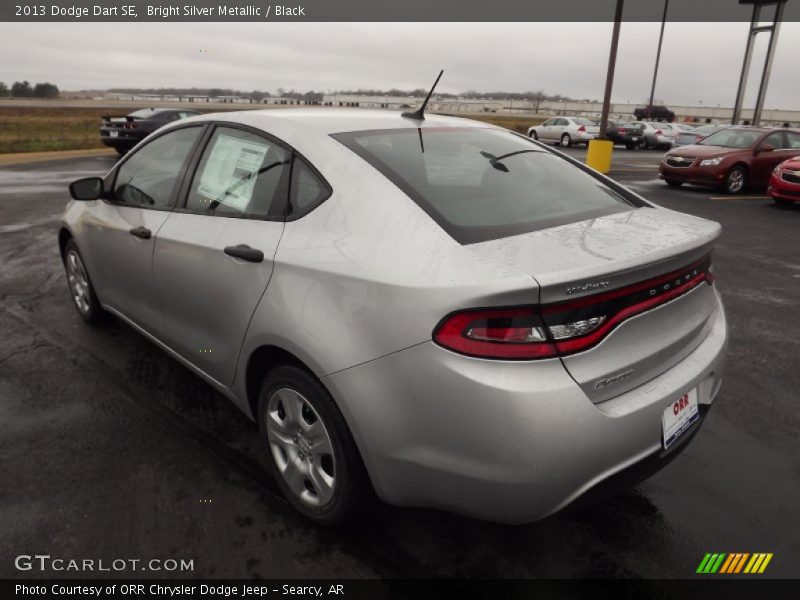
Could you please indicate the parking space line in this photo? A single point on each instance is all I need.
(739, 198)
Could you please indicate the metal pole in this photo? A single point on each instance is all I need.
(658, 59)
(748, 54)
(773, 38)
(612, 62)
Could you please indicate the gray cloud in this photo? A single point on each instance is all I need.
(700, 61)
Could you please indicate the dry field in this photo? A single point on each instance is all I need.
(34, 129)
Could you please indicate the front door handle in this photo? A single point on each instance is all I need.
(245, 252)
(141, 232)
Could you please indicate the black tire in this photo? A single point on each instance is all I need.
(673, 183)
(85, 300)
(533, 135)
(735, 181)
(783, 202)
(566, 141)
(351, 484)
(644, 144)
(121, 151)
(630, 145)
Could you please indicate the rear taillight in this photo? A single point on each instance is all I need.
(582, 128)
(622, 130)
(534, 332)
(698, 138)
(658, 132)
(130, 126)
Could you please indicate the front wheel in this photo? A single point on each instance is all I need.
(735, 180)
(309, 447)
(533, 135)
(673, 183)
(566, 141)
(80, 286)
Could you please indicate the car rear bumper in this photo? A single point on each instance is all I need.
(507, 441)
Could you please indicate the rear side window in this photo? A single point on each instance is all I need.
(308, 189)
(148, 177)
(240, 174)
(482, 184)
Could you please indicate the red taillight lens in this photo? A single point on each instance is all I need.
(510, 333)
(528, 333)
(130, 126)
(658, 132)
(582, 128)
(698, 138)
(623, 130)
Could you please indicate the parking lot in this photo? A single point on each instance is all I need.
(109, 448)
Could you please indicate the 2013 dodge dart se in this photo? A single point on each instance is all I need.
(436, 309)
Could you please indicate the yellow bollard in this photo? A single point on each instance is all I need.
(598, 156)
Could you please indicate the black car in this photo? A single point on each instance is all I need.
(629, 135)
(654, 113)
(123, 133)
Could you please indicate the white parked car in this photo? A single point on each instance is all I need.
(565, 130)
(659, 135)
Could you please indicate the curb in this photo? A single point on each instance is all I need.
(20, 158)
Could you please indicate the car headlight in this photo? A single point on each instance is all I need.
(711, 162)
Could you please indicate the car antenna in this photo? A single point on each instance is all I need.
(419, 114)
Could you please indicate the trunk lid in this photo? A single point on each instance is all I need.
(626, 259)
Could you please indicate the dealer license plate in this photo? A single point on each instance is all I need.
(679, 416)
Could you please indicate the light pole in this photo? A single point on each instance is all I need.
(658, 59)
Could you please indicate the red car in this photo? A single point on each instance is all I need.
(732, 159)
(784, 184)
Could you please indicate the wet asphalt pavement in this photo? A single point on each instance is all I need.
(110, 449)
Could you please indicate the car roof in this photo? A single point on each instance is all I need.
(337, 120)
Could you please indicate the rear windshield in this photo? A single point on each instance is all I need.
(582, 121)
(145, 113)
(482, 184)
(731, 138)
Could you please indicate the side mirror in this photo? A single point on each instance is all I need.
(765, 148)
(90, 188)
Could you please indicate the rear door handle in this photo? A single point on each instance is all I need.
(245, 252)
(141, 232)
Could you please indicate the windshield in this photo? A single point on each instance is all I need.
(731, 138)
(481, 184)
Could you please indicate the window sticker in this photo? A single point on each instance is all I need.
(231, 170)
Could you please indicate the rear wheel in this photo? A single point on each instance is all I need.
(566, 141)
(80, 286)
(533, 135)
(735, 180)
(630, 145)
(673, 183)
(644, 144)
(309, 447)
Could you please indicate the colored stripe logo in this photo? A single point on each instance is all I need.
(734, 563)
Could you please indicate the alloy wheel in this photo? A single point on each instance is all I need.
(301, 447)
(78, 282)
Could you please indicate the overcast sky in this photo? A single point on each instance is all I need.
(700, 61)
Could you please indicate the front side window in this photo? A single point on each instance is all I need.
(481, 184)
(241, 174)
(147, 179)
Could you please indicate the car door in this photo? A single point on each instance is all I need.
(124, 226)
(214, 255)
(546, 129)
(764, 162)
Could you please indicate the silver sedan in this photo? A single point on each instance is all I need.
(565, 131)
(440, 311)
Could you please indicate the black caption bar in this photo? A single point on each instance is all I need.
(422, 589)
(381, 11)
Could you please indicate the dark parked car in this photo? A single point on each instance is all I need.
(686, 138)
(732, 159)
(654, 113)
(123, 133)
(629, 135)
